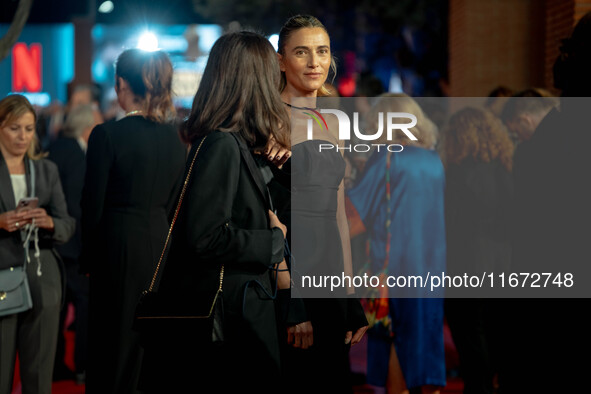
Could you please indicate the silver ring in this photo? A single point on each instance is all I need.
(16, 224)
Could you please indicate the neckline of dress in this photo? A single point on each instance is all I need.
(302, 108)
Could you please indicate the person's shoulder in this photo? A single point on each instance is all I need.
(160, 126)
(421, 161)
(419, 151)
(100, 130)
(57, 147)
(168, 133)
(417, 156)
(66, 153)
(108, 125)
(62, 143)
(548, 130)
(332, 129)
(120, 131)
(46, 166)
(218, 140)
(124, 127)
(552, 118)
(222, 138)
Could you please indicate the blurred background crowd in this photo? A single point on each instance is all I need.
(60, 55)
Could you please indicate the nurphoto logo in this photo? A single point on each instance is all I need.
(388, 122)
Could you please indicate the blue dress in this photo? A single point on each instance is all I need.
(417, 246)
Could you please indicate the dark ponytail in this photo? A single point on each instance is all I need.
(149, 75)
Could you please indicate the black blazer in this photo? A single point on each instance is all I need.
(478, 214)
(70, 159)
(51, 197)
(224, 220)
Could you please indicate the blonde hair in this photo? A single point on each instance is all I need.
(425, 130)
(14, 107)
(78, 119)
(479, 134)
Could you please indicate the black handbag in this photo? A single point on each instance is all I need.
(163, 316)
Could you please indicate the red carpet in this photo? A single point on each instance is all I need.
(66, 386)
(358, 365)
(63, 387)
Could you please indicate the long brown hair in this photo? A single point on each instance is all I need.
(239, 92)
(478, 134)
(149, 75)
(292, 25)
(12, 108)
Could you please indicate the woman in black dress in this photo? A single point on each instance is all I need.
(324, 331)
(134, 170)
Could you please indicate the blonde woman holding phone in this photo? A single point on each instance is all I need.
(27, 237)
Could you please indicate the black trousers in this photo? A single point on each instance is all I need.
(477, 328)
(325, 366)
(77, 293)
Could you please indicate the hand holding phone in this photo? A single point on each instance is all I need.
(16, 219)
(28, 210)
(27, 204)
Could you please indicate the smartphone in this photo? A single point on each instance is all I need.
(26, 204)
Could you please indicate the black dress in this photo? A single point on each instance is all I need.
(317, 250)
(315, 237)
(134, 170)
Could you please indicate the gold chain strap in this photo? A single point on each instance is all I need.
(178, 206)
(221, 278)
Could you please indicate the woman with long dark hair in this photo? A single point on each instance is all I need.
(134, 169)
(225, 220)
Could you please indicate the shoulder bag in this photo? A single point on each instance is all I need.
(15, 294)
(158, 315)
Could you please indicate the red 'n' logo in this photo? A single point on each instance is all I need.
(26, 68)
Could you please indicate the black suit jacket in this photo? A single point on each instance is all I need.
(224, 220)
(552, 193)
(51, 197)
(552, 189)
(70, 159)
